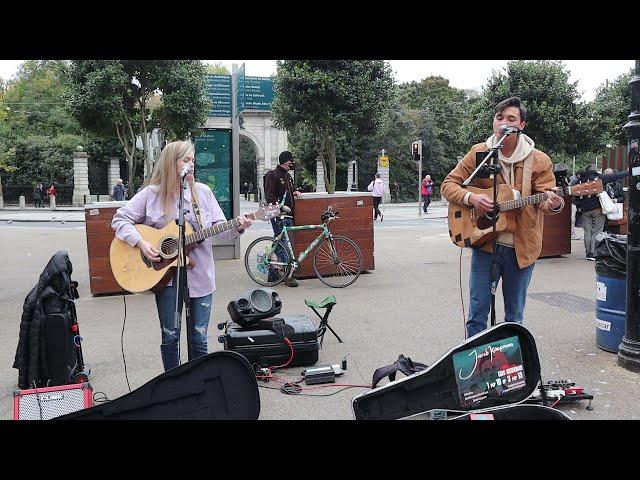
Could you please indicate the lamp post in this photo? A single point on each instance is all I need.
(629, 352)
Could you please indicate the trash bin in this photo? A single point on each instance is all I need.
(611, 291)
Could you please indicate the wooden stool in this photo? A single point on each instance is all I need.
(327, 303)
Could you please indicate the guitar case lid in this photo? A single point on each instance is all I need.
(498, 367)
(218, 386)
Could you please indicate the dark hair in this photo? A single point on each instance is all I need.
(512, 102)
(377, 175)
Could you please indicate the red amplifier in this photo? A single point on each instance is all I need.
(49, 402)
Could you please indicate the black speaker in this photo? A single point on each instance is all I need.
(253, 305)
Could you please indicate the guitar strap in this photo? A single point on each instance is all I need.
(196, 208)
(526, 174)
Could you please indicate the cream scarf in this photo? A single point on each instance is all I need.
(523, 148)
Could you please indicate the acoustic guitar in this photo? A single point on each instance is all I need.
(471, 227)
(136, 273)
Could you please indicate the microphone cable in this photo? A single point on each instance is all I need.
(124, 322)
(462, 297)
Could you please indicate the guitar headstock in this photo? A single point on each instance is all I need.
(267, 212)
(588, 188)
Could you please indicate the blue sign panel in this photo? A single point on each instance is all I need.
(219, 93)
(254, 93)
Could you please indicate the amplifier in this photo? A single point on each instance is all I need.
(50, 402)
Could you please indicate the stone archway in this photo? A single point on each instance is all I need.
(269, 141)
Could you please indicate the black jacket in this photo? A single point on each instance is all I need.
(52, 289)
(277, 182)
(592, 202)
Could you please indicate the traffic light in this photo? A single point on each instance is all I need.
(416, 151)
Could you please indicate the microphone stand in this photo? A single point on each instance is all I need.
(182, 288)
(492, 169)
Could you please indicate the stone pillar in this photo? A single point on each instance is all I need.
(114, 172)
(267, 146)
(22, 203)
(320, 176)
(80, 176)
(260, 171)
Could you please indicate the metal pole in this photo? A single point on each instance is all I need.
(419, 187)
(629, 352)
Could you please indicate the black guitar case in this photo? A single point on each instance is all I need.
(218, 386)
(492, 372)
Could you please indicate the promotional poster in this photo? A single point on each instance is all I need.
(489, 370)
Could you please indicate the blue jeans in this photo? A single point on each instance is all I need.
(277, 225)
(515, 282)
(200, 310)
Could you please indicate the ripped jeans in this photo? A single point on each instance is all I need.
(200, 309)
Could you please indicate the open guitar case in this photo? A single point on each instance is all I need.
(492, 372)
(218, 386)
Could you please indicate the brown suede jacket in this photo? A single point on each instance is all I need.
(527, 238)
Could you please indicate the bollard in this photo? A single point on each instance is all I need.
(22, 202)
(52, 202)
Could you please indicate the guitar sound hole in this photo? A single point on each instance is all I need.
(169, 246)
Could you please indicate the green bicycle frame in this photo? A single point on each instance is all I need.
(326, 233)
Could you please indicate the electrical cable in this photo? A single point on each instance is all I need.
(462, 297)
(124, 321)
(100, 399)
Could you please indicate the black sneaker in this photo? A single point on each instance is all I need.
(381, 217)
(291, 282)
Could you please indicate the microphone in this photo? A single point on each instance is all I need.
(509, 130)
(186, 170)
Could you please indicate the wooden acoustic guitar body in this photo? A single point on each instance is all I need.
(134, 272)
(470, 227)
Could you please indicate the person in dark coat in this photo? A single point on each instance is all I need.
(616, 192)
(38, 195)
(277, 183)
(593, 219)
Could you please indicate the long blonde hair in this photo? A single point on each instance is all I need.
(165, 173)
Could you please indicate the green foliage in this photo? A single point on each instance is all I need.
(41, 158)
(609, 112)
(217, 69)
(332, 98)
(247, 162)
(555, 119)
(116, 97)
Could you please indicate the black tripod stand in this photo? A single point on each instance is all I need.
(485, 170)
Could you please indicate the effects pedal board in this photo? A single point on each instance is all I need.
(321, 374)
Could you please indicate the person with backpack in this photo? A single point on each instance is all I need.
(277, 183)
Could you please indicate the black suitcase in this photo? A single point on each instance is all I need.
(491, 373)
(218, 386)
(266, 349)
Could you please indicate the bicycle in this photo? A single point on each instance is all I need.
(337, 261)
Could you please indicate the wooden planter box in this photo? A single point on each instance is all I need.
(355, 222)
(98, 218)
(556, 235)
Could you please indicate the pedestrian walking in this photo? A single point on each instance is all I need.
(118, 190)
(376, 187)
(426, 191)
(38, 195)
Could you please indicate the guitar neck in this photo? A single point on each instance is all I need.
(215, 230)
(531, 200)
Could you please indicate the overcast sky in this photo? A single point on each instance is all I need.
(466, 74)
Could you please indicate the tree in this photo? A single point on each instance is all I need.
(217, 69)
(609, 111)
(331, 98)
(554, 119)
(108, 96)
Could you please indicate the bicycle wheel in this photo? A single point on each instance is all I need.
(337, 262)
(267, 261)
